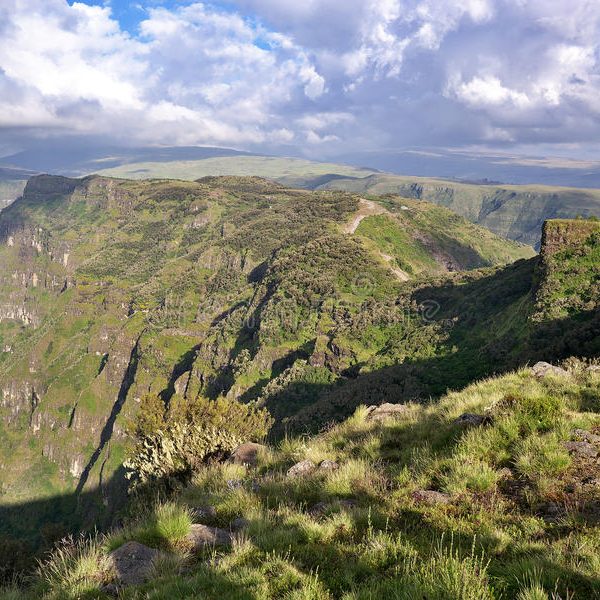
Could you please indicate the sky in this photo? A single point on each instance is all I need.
(315, 77)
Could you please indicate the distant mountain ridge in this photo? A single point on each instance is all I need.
(513, 211)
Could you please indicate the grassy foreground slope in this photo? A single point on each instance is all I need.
(500, 504)
(513, 211)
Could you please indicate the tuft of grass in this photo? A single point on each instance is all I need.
(444, 575)
(468, 474)
(76, 568)
(352, 477)
(539, 456)
(173, 523)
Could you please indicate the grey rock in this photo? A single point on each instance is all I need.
(585, 436)
(543, 369)
(386, 411)
(320, 508)
(347, 504)
(304, 467)
(328, 465)
(430, 497)
(133, 563)
(584, 449)
(203, 513)
(239, 523)
(234, 484)
(201, 536)
(472, 419)
(247, 454)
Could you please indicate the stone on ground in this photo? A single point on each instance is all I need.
(201, 536)
(386, 411)
(430, 497)
(247, 454)
(543, 369)
(133, 562)
(473, 419)
(328, 465)
(584, 449)
(304, 467)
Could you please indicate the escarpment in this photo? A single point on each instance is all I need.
(113, 291)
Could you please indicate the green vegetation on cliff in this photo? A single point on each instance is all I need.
(226, 290)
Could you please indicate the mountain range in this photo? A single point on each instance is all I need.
(307, 302)
(513, 211)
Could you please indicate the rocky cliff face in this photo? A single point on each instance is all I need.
(569, 269)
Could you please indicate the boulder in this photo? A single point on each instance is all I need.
(304, 467)
(320, 508)
(201, 536)
(430, 497)
(581, 435)
(328, 465)
(203, 513)
(239, 523)
(386, 411)
(247, 454)
(543, 369)
(472, 419)
(133, 563)
(583, 449)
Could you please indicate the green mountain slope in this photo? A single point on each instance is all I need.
(307, 303)
(513, 211)
(12, 184)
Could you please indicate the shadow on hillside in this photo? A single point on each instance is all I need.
(30, 528)
(488, 332)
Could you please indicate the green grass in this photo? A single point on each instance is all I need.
(488, 541)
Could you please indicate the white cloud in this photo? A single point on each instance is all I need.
(196, 75)
(318, 72)
(489, 91)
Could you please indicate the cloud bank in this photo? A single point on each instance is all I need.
(320, 76)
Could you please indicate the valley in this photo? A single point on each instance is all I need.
(121, 299)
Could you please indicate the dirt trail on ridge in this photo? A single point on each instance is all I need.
(368, 208)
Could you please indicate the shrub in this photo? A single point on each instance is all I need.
(191, 433)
